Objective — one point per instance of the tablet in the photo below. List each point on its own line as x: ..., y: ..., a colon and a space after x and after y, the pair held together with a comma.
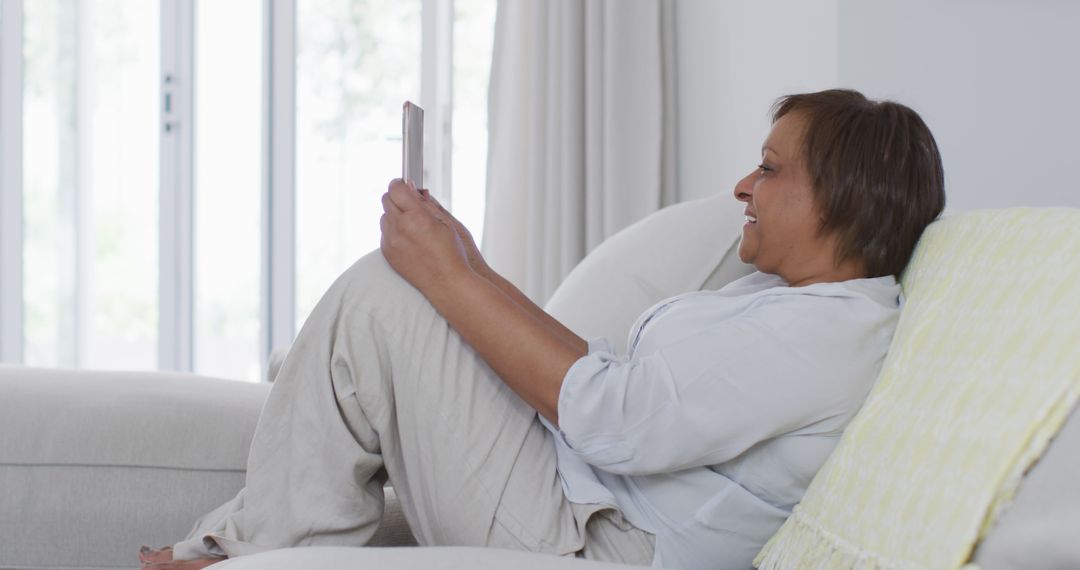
x: 412, y: 144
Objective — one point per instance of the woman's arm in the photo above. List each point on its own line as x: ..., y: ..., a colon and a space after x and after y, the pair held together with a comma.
x: 540, y: 314
x: 480, y: 266
x: 525, y: 353
x: 528, y: 349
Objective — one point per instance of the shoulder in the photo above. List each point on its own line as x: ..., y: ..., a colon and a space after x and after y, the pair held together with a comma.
x: 881, y: 293
x: 836, y: 331
x: 846, y: 302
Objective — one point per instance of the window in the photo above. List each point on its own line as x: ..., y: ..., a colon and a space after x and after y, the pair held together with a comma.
x: 90, y: 180
x: 474, y: 25
x: 228, y: 187
x: 194, y: 174
x: 355, y: 64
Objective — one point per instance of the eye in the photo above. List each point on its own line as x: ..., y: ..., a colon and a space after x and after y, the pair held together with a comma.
x: 765, y: 169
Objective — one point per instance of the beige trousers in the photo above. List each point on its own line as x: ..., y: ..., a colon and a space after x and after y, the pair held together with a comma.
x: 378, y: 384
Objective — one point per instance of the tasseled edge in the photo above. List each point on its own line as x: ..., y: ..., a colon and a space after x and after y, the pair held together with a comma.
x: 803, y: 543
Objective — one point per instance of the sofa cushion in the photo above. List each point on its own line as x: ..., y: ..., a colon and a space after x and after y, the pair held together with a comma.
x: 983, y: 370
x: 444, y: 558
x: 686, y: 247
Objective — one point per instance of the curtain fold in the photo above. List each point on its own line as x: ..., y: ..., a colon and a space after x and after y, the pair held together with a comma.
x: 581, y: 123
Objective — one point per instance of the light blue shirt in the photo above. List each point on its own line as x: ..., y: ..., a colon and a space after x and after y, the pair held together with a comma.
x: 709, y: 429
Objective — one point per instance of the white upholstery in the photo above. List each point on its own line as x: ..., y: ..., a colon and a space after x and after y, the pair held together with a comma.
x: 685, y: 247
x: 1040, y: 528
x: 443, y: 558
x: 95, y: 464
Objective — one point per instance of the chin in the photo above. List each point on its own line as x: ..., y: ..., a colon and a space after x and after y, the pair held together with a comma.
x: 744, y: 255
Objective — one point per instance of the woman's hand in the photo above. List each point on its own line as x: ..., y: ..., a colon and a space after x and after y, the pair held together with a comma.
x: 419, y: 238
x: 526, y: 347
x: 472, y: 253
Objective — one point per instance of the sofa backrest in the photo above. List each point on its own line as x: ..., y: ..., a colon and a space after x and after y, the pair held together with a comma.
x: 686, y: 247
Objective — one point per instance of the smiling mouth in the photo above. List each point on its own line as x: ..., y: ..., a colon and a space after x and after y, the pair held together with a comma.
x: 751, y: 219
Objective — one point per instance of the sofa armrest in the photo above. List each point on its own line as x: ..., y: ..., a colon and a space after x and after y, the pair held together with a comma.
x: 95, y: 464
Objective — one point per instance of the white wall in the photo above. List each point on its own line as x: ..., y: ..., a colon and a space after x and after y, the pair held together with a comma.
x: 734, y: 58
x: 997, y: 81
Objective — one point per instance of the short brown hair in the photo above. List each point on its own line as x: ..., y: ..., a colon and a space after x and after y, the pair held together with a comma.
x: 876, y: 174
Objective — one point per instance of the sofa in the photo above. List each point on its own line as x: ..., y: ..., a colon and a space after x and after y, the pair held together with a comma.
x: 94, y: 464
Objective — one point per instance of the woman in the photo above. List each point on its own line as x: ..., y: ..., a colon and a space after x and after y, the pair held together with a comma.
x: 498, y: 426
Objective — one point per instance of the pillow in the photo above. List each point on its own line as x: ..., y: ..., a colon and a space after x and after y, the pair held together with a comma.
x: 681, y: 248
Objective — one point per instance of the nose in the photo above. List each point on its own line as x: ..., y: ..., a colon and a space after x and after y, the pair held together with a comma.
x: 744, y: 189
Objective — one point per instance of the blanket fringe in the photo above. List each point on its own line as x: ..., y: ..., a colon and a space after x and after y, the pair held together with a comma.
x: 803, y: 543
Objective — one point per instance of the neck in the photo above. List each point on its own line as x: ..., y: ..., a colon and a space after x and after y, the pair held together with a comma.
x: 830, y: 272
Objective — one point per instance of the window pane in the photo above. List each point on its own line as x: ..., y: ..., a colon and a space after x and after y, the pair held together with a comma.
x: 228, y: 138
x: 121, y: 91
x: 91, y: 182
x: 474, y: 33
x: 357, y: 61
x: 49, y: 182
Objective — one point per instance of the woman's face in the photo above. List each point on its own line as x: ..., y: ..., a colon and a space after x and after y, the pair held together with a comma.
x: 781, y: 235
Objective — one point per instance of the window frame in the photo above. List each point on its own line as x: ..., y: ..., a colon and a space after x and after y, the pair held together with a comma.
x: 11, y: 184
x: 279, y: 179
x: 176, y: 235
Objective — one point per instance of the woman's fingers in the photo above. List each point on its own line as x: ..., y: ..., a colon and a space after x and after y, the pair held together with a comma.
x: 407, y: 216
x: 435, y: 204
x: 404, y: 195
x: 418, y: 241
x: 439, y: 211
x: 388, y: 204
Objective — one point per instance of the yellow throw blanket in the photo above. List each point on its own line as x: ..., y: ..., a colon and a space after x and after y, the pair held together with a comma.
x: 983, y: 370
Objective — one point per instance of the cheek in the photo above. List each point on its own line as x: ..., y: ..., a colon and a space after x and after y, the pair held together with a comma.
x: 800, y: 216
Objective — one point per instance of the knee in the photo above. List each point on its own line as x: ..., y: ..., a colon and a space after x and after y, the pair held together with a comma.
x: 371, y: 281
x: 370, y: 267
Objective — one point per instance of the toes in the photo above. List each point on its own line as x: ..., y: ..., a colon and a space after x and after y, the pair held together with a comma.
x: 149, y: 555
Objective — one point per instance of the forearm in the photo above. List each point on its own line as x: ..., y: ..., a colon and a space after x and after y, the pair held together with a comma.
x: 533, y: 309
x: 522, y: 349
x: 528, y: 349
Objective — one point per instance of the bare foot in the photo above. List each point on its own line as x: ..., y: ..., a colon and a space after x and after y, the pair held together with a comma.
x: 149, y: 555
x: 162, y: 559
x: 197, y: 564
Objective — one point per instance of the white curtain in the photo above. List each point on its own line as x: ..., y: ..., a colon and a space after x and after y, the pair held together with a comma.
x: 581, y: 121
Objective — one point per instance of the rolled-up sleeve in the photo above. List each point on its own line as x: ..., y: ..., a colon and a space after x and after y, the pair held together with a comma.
x: 702, y: 400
